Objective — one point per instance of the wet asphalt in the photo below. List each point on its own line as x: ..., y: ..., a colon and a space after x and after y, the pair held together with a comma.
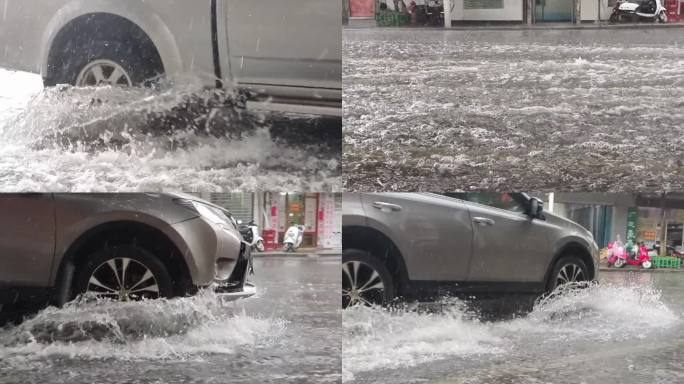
x: 570, y: 110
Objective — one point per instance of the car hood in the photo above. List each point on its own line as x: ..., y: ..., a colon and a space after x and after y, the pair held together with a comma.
x: 568, y: 224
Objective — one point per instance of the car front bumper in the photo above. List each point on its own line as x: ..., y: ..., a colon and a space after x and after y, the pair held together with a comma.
x: 236, y: 285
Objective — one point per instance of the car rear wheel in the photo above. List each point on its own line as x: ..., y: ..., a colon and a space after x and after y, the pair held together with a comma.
x: 569, y: 269
x: 365, y: 280
x: 125, y: 273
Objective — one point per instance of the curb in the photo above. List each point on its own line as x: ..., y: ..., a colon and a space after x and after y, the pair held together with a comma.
x: 525, y: 27
x: 295, y: 255
x: 641, y: 270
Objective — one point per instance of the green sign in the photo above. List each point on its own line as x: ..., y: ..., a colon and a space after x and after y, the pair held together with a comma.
x: 632, y: 219
x: 483, y: 4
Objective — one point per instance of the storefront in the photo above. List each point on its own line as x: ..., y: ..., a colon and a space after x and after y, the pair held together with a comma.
x: 464, y: 11
x: 653, y: 219
x: 319, y: 213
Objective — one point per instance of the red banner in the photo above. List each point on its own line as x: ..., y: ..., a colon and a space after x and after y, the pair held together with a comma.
x: 362, y: 8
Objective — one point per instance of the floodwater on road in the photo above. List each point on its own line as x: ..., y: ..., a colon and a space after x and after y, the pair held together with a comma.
x: 569, y: 110
x: 289, y: 332
x: 627, y: 329
x: 173, y: 138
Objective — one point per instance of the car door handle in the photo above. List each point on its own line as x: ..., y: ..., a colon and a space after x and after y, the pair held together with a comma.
x: 483, y: 221
x: 386, y: 207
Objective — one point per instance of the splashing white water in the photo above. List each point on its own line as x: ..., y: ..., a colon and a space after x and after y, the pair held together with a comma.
x: 185, y: 328
x: 376, y: 339
x: 173, y: 138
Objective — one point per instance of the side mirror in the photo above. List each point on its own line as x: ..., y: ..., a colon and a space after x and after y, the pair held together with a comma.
x: 536, y: 209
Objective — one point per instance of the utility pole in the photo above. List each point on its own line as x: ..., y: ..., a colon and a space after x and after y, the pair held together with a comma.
x: 447, y: 13
x: 578, y: 12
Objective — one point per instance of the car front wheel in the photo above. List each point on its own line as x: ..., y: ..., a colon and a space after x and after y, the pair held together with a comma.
x: 569, y: 269
x: 107, y: 63
x: 365, y: 280
x: 125, y: 273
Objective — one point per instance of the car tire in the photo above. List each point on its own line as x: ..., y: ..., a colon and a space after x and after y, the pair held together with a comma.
x: 140, y: 263
x: 571, y: 267
x: 366, y: 270
x: 141, y: 64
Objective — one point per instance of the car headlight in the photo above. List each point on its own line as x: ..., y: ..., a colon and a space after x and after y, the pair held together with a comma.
x: 208, y: 212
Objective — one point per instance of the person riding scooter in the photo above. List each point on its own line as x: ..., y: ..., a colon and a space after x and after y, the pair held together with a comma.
x: 632, y: 254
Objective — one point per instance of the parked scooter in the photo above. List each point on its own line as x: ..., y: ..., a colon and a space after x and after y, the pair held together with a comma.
x: 293, y: 237
x: 639, y: 10
x: 619, y: 256
x: 250, y: 233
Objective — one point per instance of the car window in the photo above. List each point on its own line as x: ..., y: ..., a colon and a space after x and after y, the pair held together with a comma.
x: 506, y: 201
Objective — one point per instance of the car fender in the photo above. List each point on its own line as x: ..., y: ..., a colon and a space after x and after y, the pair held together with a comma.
x: 138, y: 12
x: 68, y: 234
x: 562, y: 245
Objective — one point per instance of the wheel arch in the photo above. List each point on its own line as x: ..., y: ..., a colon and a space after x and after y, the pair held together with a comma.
x: 115, y: 232
x: 137, y: 13
x: 572, y: 247
x: 380, y: 246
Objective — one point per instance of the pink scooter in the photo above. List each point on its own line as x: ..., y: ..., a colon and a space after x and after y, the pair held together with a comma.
x: 618, y: 256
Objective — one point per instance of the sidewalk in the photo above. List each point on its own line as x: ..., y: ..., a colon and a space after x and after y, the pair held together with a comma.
x: 475, y: 26
x: 635, y: 268
x: 302, y: 252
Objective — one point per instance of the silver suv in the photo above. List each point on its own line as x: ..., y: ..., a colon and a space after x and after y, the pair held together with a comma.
x: 423, y: 245
x: 118, y: 246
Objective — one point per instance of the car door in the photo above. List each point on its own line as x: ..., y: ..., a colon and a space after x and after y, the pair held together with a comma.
x: 285, y: 43
x: 432, y: 232
x: 508, y: 246
x: 27, y: 239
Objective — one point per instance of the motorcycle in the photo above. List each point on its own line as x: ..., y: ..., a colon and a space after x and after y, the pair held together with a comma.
x: 635, y: 10
x: 619, y: 256
x: 250, y: 233
x: 293, y: 237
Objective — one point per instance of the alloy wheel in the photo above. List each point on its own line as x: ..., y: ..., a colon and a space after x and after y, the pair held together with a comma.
x: 103, y: 72
x: 570, y: 273
x: 361, y: 284
x: 123, y: 279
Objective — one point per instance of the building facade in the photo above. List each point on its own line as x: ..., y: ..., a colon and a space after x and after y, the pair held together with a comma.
x: 319, y: 213
x: 462, y: 11
x: 654, y: 219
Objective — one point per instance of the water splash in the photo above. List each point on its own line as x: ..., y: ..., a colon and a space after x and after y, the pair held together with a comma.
x: 376, y: 339
x: 180, y: 137
x: 185, y: 328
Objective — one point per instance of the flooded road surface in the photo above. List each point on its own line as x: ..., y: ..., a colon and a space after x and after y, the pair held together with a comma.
x: 289, y: 332
x: 628, y: 329
x: 568, y: 110
x: 175, y: 138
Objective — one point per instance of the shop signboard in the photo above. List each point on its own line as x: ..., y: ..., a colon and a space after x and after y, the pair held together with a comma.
x: 361, y: 8
x: 330, y: 221
x: 483, y: 4
x: 310, y: 213
x: 648, y: 235
x: 632, y: 219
